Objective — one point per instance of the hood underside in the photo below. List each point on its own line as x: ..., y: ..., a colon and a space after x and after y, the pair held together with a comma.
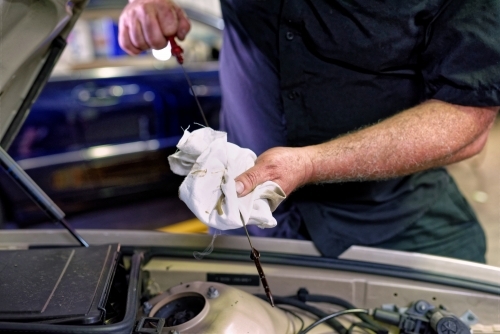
x: 32, y: 36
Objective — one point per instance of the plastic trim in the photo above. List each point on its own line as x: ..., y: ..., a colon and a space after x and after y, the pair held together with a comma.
x: 125, y: 326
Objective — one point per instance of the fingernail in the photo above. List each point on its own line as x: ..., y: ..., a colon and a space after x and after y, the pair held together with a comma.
x: 182, y: 33
x: 239, y: 187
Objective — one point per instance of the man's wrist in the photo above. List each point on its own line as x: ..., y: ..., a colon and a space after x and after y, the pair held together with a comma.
x: 308, y: 156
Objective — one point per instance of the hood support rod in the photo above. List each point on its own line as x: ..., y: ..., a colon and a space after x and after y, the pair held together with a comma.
x: 25, y: 182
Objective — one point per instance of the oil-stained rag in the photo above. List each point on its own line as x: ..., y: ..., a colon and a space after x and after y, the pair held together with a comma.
x: 211, y: 164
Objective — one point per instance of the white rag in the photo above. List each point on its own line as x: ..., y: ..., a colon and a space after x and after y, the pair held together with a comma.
x: 211, y: 164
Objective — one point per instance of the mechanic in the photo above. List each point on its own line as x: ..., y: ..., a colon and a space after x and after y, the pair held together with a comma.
x: 354, y: 108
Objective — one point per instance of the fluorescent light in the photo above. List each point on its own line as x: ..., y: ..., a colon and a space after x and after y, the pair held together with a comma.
x: 101, y: 151
x: 163, y: 54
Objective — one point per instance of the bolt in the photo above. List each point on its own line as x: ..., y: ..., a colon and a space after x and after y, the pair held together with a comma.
x: 471, y: 317
x: 421, y: 306
x: 212, y: 293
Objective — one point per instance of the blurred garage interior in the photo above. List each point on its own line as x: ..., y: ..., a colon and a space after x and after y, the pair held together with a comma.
x: 93, y: 51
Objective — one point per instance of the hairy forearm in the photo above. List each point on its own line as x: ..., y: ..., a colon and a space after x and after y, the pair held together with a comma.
x: 429, y: 135
x: 432, y: 134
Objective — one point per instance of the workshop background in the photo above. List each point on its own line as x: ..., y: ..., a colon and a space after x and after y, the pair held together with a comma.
x: 97, y: 139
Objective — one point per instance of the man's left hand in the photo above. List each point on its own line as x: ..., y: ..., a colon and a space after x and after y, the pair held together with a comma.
x: 289, y: 167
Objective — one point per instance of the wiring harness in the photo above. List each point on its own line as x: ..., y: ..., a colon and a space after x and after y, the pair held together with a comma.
x: 420, y: 318
x: 302, y: 297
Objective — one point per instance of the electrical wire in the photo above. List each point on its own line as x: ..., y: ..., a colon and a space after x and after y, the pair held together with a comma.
x: 337, y: 326
x: 304, y: 296
x: 333, y: 315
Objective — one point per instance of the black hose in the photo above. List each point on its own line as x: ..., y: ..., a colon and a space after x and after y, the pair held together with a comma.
x: 361, y: 325
x: 337, y: 326
x: 306, y: 297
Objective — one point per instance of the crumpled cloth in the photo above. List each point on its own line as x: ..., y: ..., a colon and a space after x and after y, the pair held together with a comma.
x: 211, y: 164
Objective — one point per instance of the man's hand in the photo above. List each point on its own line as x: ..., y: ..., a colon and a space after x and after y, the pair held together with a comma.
x: 289, y: 167
x: 146, y: 24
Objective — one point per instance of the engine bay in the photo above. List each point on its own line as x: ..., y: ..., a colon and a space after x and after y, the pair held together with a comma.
x: 327, y: 290
x: 167, y: 290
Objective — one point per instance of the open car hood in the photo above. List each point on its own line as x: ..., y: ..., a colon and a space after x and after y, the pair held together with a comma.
x: 32, y: 37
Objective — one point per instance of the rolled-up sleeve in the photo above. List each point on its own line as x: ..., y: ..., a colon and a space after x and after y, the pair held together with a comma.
x: 461, y: 59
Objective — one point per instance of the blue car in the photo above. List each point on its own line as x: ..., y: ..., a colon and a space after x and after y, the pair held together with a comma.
x: 100, y: 136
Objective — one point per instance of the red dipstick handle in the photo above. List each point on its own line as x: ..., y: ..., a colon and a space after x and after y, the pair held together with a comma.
x: 176, y: 50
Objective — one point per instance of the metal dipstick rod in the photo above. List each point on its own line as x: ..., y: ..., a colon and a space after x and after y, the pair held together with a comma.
x: 177, y: 52
x: 255, y: 256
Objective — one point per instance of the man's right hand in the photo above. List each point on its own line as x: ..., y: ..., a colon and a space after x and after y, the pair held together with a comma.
x: 146, y: 24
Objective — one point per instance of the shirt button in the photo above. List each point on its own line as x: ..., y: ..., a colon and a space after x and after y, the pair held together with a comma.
x: 292, y: 95
x: 289, y: 35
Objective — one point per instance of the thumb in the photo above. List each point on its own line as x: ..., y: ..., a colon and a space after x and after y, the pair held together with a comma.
x: 246, y: 182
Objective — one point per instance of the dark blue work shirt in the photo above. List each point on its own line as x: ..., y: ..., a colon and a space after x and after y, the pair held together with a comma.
x: 298, y: 73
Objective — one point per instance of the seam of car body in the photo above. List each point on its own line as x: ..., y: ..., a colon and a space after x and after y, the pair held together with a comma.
x: 97, y: 152
x: 336, y: 264
x: 127, y: 71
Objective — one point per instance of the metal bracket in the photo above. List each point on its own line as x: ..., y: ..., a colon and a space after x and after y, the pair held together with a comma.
x: 469, y: 318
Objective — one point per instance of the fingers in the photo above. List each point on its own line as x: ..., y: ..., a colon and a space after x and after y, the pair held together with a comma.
x: 173, y: 21
x: 184, y: 24
x: 147, y: 24
x: 246, y: 182
x: 126, y: 43
x: 153, y: 35
x: 137, y: 37
x: 288, y: 167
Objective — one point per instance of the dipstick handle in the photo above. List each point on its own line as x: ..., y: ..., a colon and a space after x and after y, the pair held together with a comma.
x: 176, y: 50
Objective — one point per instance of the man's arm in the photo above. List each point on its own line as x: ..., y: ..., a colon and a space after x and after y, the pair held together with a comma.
x: 432, y: 134
x: 146, y: 24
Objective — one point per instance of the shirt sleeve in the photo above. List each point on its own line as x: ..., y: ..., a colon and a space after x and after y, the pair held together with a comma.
x: 461, y: 59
